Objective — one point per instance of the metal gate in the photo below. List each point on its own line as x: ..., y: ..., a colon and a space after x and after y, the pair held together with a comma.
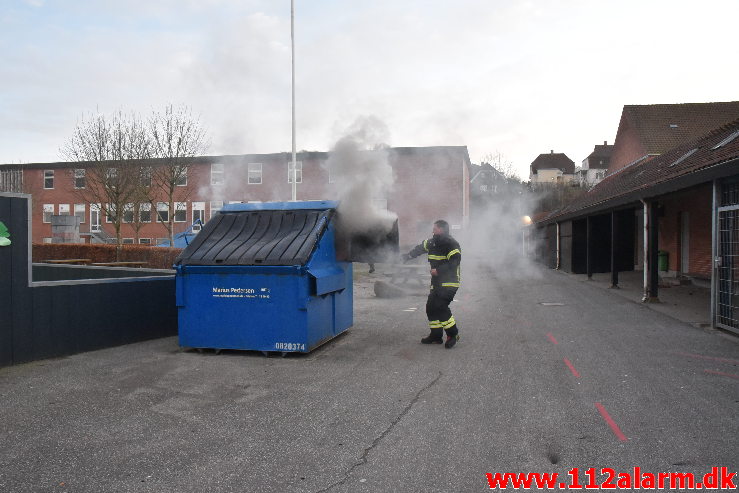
x: 727, y: 269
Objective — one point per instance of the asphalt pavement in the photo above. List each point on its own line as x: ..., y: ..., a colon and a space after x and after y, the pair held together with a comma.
x: 552, y: 372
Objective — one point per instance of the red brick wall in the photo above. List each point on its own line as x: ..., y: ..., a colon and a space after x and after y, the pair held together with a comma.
x: 697, y: 202
x: 428, y: 189
x: 627, y: 147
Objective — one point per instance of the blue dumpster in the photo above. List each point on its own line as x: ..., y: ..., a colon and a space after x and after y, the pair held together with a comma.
x: 264, y: 277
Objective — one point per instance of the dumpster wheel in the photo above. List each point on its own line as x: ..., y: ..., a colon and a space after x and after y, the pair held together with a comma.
x: 269, y: 354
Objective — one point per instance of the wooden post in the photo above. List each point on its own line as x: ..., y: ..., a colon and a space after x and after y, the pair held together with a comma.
x: 614, y: 250
x: 589, y: 248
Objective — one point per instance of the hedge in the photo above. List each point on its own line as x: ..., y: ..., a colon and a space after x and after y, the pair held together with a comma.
x: 155, y: 257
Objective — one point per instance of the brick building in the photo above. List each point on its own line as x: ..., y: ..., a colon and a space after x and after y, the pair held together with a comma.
x: 429, y: 183
x: 645, y: 131
x: 681, y: 203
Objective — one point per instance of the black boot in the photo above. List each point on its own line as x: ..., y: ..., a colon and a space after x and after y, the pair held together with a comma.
x: 452, y: 336
x: 435, y: 337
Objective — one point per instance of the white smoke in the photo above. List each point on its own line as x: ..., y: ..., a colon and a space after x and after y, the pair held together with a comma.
x: 362, y: 177
x: 498, y: 240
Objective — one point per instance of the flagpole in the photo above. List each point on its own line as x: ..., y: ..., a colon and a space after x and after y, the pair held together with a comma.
x: 294, y: 171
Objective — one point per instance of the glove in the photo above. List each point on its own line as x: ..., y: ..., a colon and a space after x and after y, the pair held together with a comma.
x: 405, y: 258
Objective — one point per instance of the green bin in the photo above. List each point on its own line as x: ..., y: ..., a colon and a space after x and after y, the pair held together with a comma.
x: 662, y: 257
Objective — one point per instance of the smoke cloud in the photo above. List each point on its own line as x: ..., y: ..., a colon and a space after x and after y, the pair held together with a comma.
x: 362, y: 177
x: 494, y: 242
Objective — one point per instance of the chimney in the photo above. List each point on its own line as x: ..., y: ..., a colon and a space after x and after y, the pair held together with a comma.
x: 605, y: 142
x: 551, y: 152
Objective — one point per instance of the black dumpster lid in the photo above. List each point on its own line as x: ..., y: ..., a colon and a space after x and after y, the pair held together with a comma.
x: 257, y: 237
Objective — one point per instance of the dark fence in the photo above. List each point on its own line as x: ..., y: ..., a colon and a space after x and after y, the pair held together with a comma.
x: 57, y: 318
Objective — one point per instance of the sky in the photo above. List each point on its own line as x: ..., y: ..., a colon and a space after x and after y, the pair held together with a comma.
x: 519, y: 78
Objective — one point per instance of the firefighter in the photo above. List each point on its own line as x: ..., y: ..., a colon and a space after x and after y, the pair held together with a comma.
x: 445, y: 256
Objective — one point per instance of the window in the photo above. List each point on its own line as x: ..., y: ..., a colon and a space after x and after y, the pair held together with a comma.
x: 255, y: 174
x: 216, y: 174
x: 48, y: 212
x: 162, y: 212
x: 128, y: 213
x: 79, y: 178
x: 181, y: 176
x: 180, y: 212
x: 684, y: 157
x: 49, y: 179
x: 144, y: 241
x: 145, y: 212
x: 110, y: 213
x: 127, y: 241
x: 727, y: 140
x: 95, y: 217
x: 331, y: 177
x: 111, y: 174
x: 198, y: 214
x: 162, y: 241
x: 215, y: 206
x: 483, y: 188
x: 63, y: 209
x: 298, y: 172
x: 380, y: 204
x: 145, y: 176
x: 47, y: 240
x: 79, y: 211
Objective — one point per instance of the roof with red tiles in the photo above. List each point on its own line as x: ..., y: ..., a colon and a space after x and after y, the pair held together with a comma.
x: 680, y: 167
x: 663, y: 126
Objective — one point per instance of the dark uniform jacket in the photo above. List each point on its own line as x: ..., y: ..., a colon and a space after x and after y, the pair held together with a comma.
x: 445, y: 256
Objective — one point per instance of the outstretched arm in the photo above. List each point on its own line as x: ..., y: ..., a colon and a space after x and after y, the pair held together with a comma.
x: 417, y: 250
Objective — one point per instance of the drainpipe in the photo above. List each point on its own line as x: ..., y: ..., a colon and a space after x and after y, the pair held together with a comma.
x: 614, y: 250
x: 645, y: 248
x: 714, y: 250
x: 654, y: 251
x: 588, y: 248
x: 558, y: 249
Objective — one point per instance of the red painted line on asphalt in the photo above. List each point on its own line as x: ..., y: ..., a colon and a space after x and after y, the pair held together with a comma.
x: 551, y: 338
x: 572, y: 368
x: 614, y: 427
x: 713, y: 358
x: 715, y: 372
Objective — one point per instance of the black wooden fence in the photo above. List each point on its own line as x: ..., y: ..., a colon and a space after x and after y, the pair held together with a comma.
x: 57, y: 318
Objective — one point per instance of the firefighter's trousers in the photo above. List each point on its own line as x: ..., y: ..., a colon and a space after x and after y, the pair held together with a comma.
x: 438, y: 311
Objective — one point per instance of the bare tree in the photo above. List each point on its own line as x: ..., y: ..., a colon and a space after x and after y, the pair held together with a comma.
x: 176, y: 137
x: 555, y: 196
x: 498, y: 161
x: 140, y: 211
x: 109, y: 150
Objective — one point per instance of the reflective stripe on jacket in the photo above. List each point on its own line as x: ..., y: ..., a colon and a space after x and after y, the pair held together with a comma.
x: 445, y: 256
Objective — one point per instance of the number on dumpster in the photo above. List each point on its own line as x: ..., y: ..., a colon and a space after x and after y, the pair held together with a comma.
x: 289, y: 346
